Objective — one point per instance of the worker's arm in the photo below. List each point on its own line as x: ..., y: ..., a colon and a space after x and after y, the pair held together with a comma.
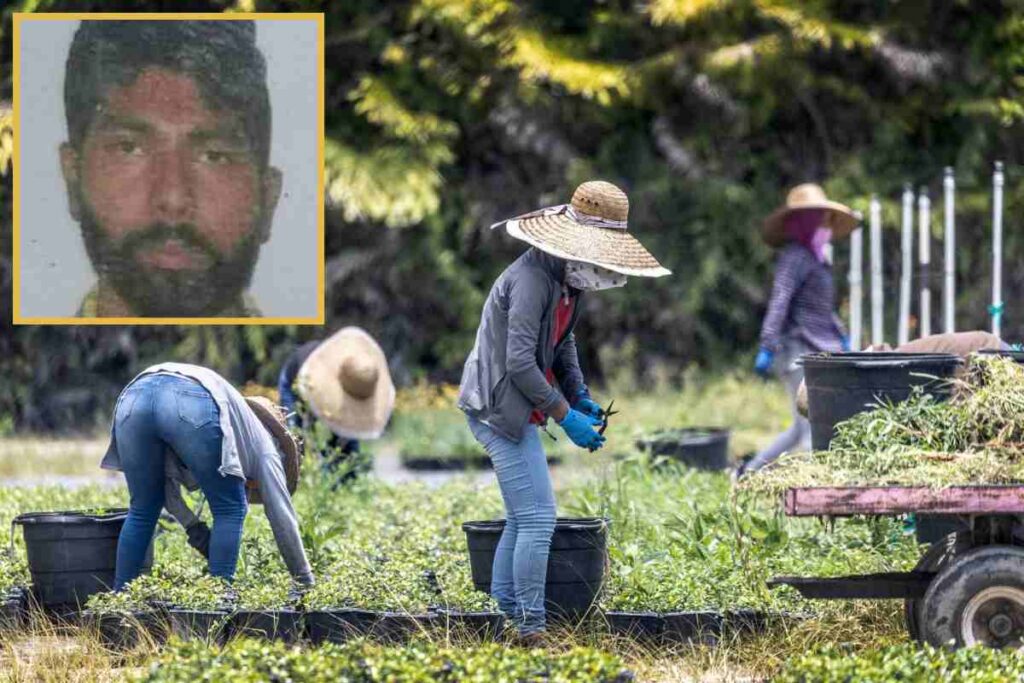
x: 790, y: 273
x: 567, y: 370
x: 284, y: 523
x: 528, y: 297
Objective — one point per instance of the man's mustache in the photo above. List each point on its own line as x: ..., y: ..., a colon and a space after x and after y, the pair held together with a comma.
x: 158, y: 233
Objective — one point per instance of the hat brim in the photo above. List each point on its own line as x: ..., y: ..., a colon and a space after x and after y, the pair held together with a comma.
x: 272, y: 417
x: 561, y: 236
x: 842, y: 221
x: 319, y: 385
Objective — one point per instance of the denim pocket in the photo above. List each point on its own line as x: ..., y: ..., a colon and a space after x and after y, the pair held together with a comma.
x: 195, y: 407
x: 126, y: 403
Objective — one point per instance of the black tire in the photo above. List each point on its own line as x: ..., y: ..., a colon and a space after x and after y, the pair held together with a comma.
x: 978, y: 599
x: 938, y: 555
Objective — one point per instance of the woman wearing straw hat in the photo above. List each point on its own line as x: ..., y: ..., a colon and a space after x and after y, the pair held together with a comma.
x: 346, y: 380
x: 801, y: 312
x: 524, y: 368
x: 177, y: 424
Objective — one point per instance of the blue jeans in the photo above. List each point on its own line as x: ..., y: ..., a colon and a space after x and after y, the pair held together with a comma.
x: 521, y: 559
x: 155, y: 413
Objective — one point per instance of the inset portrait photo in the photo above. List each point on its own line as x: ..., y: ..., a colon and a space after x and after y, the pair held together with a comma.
x: 168, y: 170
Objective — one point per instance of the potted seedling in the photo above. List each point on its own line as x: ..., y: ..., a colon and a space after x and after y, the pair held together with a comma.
x: 262, y: 610
x: 461, y: 609
x: 12, y: 593
x: 198, y: 609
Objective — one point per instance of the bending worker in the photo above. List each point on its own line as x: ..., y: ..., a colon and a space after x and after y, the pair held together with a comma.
x: 801, y: 313
x: 346, y: 394
x: 177, y: 424
x: 524, y: 368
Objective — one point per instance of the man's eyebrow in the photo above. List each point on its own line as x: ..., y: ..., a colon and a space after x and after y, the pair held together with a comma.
x: 109, y: 122
x: 224, y: 132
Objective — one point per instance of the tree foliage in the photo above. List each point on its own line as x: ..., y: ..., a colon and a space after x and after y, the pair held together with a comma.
x: 443, y: 116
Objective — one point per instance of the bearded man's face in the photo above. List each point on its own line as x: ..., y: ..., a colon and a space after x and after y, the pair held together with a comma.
x: 171, y: 199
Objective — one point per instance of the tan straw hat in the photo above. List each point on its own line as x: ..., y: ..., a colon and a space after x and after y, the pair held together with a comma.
x: 272, y: 418
x: 347, y: 384
x: 840, y: 218
x: 591, y: 229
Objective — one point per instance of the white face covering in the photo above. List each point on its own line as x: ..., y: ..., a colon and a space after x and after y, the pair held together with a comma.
x: 588, y: 277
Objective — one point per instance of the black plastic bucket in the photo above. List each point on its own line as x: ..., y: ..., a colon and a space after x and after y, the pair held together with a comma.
x: 704, y: 448
x: 576, y: 563
x: 841, y: 385
x: 73, y: 554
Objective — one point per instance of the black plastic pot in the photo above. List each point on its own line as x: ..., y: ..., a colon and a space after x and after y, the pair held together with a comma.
x: 339, y: 625
x: 692, y: 627
x: 72, y: 555
x: 207, y: 626
x: 704, y: 448
x: 427, y: 463
x: 645, y: 626
x: 12, y: 610
x: 476, y: 625
x: 126, y: 630
x: 576, y: 563
x: 284, y: 625
x: 841, y: 385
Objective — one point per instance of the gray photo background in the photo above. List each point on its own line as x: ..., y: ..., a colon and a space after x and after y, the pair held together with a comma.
x: 55, y: 272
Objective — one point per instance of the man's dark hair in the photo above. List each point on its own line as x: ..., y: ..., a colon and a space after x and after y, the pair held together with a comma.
x: 220, y: 55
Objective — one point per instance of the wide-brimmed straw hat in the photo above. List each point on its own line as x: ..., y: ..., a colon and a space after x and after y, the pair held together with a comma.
x: 272, y: 417
x: 592, y: 229
x: 347, y: 385
x: 840, y: 218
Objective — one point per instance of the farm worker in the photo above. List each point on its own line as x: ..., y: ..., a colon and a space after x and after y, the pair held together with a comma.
x: 524, y: 368
x: 178, y: 424
x: 801, y: 312
x: 346, y: 360
x: 958, y: 343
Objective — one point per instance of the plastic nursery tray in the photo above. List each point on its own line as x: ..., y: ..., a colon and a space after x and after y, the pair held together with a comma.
x: 339, y: 625
x: 125, y: 630
x: 704, y: 627
x: 482, y: 625
x: 285, y: 625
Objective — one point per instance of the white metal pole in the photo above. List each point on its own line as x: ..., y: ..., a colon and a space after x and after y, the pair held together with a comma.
x: 907, y: 270
x: 924, y: 209
x: 856, y: 288
x: 877, y: 319
x: 997, y: 249
x: 949, y: 260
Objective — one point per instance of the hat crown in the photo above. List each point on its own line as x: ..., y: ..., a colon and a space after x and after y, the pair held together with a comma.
x: 359, y: 376
x: 808, y: 193
x: 600, y: 198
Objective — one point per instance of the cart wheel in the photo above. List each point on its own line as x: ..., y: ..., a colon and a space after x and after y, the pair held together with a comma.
x: 938, y: 555
x: 978, y: 600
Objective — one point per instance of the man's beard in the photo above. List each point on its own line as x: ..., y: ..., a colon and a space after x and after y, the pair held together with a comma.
x: 157, y: 292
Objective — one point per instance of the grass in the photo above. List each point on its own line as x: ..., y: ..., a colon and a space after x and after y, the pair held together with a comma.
x: 974, y: 438
x: 36, y: 457
x: 679, y: 539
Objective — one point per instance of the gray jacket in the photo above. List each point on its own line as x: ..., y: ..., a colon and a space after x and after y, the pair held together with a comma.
x: 503, y: 379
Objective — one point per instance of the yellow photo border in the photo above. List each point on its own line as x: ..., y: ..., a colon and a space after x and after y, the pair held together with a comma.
x: 19, y: 17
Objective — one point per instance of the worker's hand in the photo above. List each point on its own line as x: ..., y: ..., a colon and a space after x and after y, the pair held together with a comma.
x: 199, y: 538
x: 587, y: 405
x: 580, y: 429
x: 764, y: 361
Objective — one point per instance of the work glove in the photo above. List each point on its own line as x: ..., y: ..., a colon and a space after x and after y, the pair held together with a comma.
x: 199, y: 538
x: 580, y: 429
x: 763, y: 363
x: 587, y: 405
x: 844, y: 342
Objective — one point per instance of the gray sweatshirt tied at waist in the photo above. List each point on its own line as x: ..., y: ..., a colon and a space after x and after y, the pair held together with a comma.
x: 503, y: 379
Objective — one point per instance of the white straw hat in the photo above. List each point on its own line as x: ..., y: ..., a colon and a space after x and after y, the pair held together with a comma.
x: 841, y: 219
x: 346, y: 383
x: 592, y: 229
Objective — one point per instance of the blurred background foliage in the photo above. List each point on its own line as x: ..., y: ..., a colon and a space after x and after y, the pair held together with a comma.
x: 443, y: 116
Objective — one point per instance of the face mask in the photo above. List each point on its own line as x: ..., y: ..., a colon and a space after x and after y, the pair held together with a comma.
x: 588, y: 277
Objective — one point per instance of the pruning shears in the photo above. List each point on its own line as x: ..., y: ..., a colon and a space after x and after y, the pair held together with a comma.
x: 605, y: 414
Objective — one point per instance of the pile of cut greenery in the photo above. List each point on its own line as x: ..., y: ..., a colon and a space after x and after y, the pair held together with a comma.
x: 976, y: 437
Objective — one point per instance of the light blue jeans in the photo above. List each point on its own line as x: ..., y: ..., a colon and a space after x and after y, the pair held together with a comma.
x: 154, y: 413
x: 521, y: 559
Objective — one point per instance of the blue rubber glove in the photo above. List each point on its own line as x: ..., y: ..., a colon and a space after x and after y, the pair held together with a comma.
x: 580, y: 429
x: 763, y: 364
x: 587, y: 405
x: 844, y: 343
